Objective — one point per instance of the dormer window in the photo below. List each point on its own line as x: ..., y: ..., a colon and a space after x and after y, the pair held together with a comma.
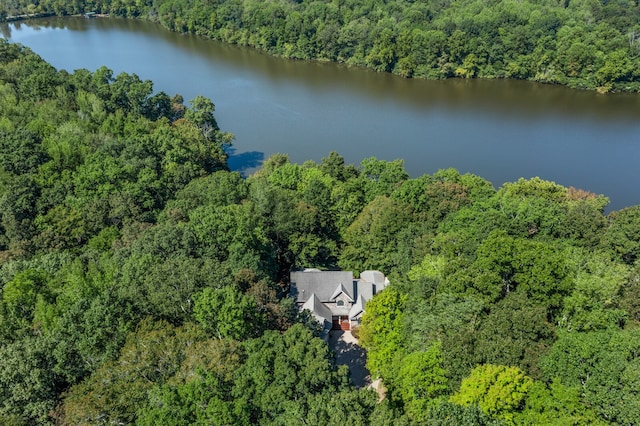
x: 340, y: 303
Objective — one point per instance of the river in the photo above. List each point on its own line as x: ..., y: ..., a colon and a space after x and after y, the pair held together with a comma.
x: 500, y: 130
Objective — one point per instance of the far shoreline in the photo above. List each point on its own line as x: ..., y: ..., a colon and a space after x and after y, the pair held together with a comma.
x: 600, y: 90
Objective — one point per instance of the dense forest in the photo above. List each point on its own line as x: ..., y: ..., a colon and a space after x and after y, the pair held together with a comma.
x: 142, y: 282
x: 581, y: 43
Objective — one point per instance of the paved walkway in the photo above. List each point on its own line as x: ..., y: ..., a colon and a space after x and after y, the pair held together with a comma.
x: 349, y: 353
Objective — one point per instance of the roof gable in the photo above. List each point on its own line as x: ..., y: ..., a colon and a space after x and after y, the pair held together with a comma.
x: 339, y: 290
x: 317, y: 308
x: 357, y: 308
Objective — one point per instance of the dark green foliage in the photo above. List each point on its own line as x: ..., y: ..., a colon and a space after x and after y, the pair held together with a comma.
x: 28, y: 387
x: 580, y: 44
x: 116, y: 390
x: 604, y: 366
x: 227, y: 313
x: 282, y: 368
x: 141, y: 282
x: 623, y: 234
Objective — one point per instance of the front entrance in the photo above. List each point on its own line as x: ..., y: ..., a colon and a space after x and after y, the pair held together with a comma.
x: 341, y: 323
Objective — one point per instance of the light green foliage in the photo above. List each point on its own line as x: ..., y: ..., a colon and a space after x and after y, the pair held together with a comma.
x: 445, y: 413
x: 24, y: 299
x: 420, y: 380
x: 556, y: 404
x: 593, y: 304
x: 431, y: 267
x: 382, y: 177
x: 498, y: 390
x: 381, y: 331
x: 532, y: 207
x: 535, y: 187
x: 287, y: 176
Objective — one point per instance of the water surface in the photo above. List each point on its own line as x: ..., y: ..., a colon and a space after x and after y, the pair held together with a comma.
x: 500, y: 130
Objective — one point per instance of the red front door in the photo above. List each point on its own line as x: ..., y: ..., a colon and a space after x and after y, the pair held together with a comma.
x: 344, y: 323
x: 341, y: 323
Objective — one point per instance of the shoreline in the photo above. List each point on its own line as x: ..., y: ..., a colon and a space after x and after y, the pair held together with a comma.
x: 600, y: 90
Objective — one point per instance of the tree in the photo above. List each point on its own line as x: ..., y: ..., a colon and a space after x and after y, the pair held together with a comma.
x: 516, y: 332
x: 334, y: 166
x: 200, y: 114
x: 505, y: 264
x: 630, y: 296
x: 617, y: 67
x: 381, y: 331
x: 199, y: 392
x: 445, y: 413
x: 499, y: 391
x: 283, y: 368
x: 372, y: 238
x: 593, y: 303
x: 118, y: 389
x: 331, y: 408
x: 227, y: 313
x: 557, y: 404
x: 22, y: 152
x: 603, y: 365
x: 382, y: 177
x: 420, y: 381
x: 623, y: 234
x: 28, y: 386
x: 20, y: 297
x: 165, y: 288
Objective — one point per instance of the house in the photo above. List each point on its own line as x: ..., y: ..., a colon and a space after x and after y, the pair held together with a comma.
x: 335, y: 298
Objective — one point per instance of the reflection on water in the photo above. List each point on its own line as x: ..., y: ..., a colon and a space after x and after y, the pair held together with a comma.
x: 501, y: 96
x: 498, y: 129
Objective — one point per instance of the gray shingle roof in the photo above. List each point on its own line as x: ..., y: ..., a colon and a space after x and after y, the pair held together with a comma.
x: 322, y: 283
x: 375, y: 277
x: 341, y: 289
x: 319, y: 311
x: 318, y: 291
x: 357, y: 308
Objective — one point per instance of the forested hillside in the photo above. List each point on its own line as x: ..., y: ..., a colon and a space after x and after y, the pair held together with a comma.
x: 142, y: 282
x: 580, y: 43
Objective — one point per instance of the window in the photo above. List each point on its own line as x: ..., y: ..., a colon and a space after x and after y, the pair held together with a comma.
x: 340, y: 303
